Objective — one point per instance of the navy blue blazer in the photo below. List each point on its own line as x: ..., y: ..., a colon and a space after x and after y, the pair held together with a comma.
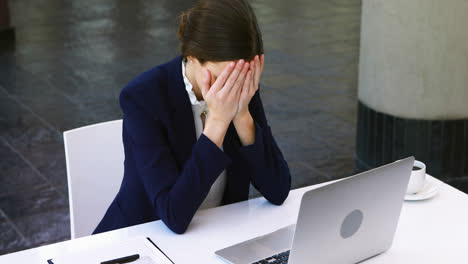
x: 168, y: 172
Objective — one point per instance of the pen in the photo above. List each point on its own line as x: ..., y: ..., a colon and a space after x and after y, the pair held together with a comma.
x: 122, y: 260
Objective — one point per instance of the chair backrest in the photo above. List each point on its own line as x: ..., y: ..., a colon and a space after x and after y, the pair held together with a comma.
x: 94, y: 157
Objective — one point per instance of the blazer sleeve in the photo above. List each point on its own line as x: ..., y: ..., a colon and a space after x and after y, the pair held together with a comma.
x: 175, y: 194
x: 266, y: 167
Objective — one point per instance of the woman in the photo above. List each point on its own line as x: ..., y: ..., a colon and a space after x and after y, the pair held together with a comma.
x: 194, y: 131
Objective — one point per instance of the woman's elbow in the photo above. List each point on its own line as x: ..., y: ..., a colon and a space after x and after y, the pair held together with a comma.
x: 178, y: 230
x: 176, y: 222
x: 279, y: 198
x: 174, y: 226
x: 282, y: 192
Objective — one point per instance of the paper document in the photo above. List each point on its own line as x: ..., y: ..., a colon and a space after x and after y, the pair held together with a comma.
x: 149, y: 254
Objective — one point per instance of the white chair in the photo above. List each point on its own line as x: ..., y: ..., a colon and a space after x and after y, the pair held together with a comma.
x: 94, y: 157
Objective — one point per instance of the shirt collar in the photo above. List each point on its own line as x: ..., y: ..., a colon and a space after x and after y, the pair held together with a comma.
x: 189, y: 88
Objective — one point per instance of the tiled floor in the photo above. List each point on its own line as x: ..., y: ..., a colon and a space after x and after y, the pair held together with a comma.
x: 72, y: 58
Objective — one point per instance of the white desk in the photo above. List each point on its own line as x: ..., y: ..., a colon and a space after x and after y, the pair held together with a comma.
x: 432, y: 231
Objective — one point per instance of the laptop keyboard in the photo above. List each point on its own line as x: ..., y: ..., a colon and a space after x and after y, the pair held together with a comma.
x: 281, y: 258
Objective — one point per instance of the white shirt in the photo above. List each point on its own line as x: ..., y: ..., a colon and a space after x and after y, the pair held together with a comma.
x: 215, y: 195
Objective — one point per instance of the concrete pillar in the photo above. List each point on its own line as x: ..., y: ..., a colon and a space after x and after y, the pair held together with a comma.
x: 413, y: 85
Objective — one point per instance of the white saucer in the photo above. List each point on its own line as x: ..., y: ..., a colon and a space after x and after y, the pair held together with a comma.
x: 429, y: 190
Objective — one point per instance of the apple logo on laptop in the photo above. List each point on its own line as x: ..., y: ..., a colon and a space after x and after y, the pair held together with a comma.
x: 351, y: 223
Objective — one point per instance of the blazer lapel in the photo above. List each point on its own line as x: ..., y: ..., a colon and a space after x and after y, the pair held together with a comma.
x: 182, y: 116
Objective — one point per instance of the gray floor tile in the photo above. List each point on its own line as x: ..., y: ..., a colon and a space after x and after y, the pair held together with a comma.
x: 32, y: 140
x: 10, y: 239
x: 22, y: 190
x: 44, y: 228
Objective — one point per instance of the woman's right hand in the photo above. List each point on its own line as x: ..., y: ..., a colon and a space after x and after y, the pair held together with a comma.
x: 222, y: 99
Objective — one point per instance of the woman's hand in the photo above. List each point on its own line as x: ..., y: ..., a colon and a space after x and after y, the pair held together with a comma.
x: 222, y: 99
x: 251, y: 85
x: 243, y: 121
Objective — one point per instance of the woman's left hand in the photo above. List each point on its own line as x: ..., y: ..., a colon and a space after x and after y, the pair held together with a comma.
x: 250, y: 85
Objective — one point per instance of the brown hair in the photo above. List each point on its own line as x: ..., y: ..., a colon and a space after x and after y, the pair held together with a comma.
x: 220, y: 30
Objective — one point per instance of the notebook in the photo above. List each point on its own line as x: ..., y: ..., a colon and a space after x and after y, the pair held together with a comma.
x: 148, y: 251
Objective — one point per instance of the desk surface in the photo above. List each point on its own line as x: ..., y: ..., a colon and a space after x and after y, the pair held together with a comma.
x: 431, y: 231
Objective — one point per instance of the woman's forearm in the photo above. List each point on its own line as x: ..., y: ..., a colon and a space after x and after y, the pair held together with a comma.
x: 245, y: 128
x: 215, y: 130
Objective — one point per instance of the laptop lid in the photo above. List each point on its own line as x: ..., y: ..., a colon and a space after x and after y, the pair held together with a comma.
x: 353, y: 219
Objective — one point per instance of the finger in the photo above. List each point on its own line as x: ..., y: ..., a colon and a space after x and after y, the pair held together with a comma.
x: 237, y: 88
x: 252, y: 82
x: 262, y: 64
x: 257, y: 71
x: 246, y: 87
x: 205, y: 86
x: 254, y: 72
x: 241, y: 79
x: 252, y: 64
x: 247, y: 83
x: 221, y: 80
x: 252, y: 67
x: 233, y: 77
x: 262, y: 61
x: 254, y: 88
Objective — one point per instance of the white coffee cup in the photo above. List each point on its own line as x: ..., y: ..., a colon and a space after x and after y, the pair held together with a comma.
x: 417, y: 178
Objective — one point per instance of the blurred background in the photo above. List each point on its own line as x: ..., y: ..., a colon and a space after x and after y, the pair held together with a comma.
x: 64, y: 63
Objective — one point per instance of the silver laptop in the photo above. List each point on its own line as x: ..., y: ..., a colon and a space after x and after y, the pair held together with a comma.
x: 344, y: 222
